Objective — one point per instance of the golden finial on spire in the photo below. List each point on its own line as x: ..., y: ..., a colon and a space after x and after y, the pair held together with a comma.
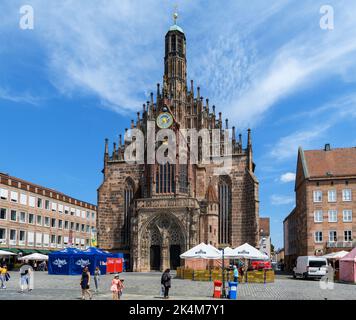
x: 175, y: 15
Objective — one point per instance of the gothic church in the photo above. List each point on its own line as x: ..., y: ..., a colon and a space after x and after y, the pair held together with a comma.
x: 155, y: 212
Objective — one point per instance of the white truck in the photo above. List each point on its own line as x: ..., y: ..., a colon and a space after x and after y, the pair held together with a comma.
x: 310, y: 267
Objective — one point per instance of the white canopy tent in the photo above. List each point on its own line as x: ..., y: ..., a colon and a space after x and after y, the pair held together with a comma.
x: 246, y: 251
x: 228, y: 253
x: 34, y: 256
x: 202, y: 251
x: 336, y: 255
x: 7, y: 253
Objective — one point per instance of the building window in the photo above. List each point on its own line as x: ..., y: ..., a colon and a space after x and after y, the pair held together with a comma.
x: 38, y: 239
x: 318, y: 216
x: 53, y: 239
x: 60, y: 224
x: 30, y: 239
x: 347, y: 215
x: 82, y: 228
x: 3, y: 212
x: 348, y: 235
x: 46, y: 222
x: 332, y: 236
x: 47, y: 204
x: 128, y: 196
x: 46, y: 240
x: 59, y: 241
x: 53, y: 223
x: 13, y: 215
x: 87, y: 230
x: 77, y: 227
x: 60, y: 208
x: 31, y: 218
x: 2, y: 235
x: 224, y: 210
x: 39, y: 203
x: 14, y: 196
x: 66, y: 225
x: 88, y: 215
x: 318, y: 236
x: 93, y: 215
x: 332, y: 216
x: 23, y: 199
x: 39, y: 220
x: 332, y: 196
x: 13, y: 237
x: 165, y: 178
x: 31, y: 201
x: 22, y: 238
x: 23, y: 217
x: 72, y: 211
x: 346, y: 195
x: 4, y: 194
x: 54, y: 206
x: 72, y: 226
x: 66, y: 210
x: 317, y: 196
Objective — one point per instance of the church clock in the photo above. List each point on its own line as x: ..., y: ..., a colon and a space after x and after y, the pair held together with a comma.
x: 164, y: 120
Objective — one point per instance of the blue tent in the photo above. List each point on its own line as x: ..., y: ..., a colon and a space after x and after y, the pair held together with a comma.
x: 100, y: 257
x: 71, y: 261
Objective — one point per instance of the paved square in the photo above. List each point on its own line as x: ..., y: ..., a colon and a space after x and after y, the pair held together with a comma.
x: 146, y: 286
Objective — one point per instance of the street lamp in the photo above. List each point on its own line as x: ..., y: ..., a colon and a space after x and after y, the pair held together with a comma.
x: 223, y: 295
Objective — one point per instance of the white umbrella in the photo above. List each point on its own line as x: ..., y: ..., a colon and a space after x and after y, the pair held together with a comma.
x: 201, y: 251
x: 34, y: 256
x: 7, y: 253
x: 336, y: 255
x: 228, y: 253
x: 246, y: 251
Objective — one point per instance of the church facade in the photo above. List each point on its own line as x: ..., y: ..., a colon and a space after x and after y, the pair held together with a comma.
x: 156, y: 211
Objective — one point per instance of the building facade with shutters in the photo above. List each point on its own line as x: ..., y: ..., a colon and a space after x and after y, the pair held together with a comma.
x: 153, y: 211
x: 323, y: 220
x: 37, y: 219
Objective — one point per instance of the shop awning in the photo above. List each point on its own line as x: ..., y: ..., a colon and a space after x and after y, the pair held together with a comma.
x: 13, y: 250
x: 28, y: 251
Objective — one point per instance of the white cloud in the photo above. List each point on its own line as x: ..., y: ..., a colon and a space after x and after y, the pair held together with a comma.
x: 287, y: 146
x: 287, y: 177
x: 25, y: 97
x: 278, y: 200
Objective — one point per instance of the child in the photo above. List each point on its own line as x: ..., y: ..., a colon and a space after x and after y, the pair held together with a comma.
x: 116, y: 287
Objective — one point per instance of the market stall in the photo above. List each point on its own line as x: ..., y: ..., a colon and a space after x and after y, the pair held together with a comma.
x: 348, y: 267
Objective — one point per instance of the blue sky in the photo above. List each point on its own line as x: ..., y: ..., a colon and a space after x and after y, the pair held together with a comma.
x: 87, y: 67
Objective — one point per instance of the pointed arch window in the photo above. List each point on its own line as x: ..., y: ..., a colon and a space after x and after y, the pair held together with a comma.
x: 128, y: 197
x: 165, y: 179
x: 225, y: 210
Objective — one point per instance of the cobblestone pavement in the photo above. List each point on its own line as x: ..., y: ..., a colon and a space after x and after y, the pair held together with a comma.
x: 146, y: 286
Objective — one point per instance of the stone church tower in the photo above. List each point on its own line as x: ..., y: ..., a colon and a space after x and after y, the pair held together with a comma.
x: 154, y: 212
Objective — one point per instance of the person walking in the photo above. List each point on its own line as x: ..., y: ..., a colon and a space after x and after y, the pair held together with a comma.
x: 97, y: 274
x: 85, y: 283
x: 26, y: 277
x: 166, y: 282
x: 236, y: 274
x: 116, y: 287
x: 3, y: 273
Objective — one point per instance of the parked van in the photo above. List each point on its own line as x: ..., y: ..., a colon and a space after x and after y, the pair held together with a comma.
x: 310, y: 267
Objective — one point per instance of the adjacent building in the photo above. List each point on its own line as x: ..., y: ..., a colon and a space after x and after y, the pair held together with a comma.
x: 154, y: 212
x: 265, y: 236
x: 324, y: 219
x: 38, y: 219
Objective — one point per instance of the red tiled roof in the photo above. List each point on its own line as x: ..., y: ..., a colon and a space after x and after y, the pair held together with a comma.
x: 264, y: 225
x: 335, y: 162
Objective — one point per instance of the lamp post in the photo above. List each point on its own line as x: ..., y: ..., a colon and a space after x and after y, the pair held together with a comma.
x: 223, y: 274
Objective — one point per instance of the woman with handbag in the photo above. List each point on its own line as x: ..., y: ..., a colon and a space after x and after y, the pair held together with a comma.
x: 85, y: 283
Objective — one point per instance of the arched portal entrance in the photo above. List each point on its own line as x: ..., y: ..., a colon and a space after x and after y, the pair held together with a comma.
x: 163, y: 240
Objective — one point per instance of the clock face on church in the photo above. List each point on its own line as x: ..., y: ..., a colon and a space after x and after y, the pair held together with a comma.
x: 164, y: 120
